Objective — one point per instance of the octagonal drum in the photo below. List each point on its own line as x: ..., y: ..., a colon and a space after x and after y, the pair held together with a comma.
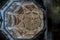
x: 24, y: 20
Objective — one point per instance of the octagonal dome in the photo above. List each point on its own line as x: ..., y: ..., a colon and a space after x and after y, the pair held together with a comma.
x: 24, y: 20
